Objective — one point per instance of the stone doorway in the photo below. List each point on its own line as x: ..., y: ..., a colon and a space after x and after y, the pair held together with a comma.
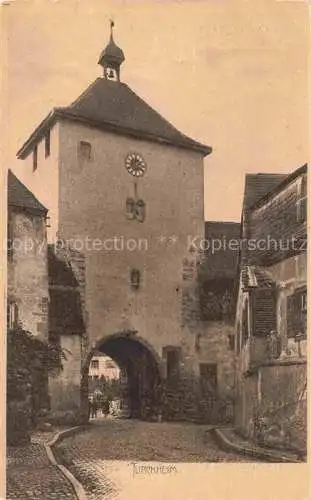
x: 140, y: 372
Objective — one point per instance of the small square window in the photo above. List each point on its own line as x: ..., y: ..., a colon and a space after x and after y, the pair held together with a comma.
x: 85, y: 150
x: 47, y: 144
x: 35, y: 159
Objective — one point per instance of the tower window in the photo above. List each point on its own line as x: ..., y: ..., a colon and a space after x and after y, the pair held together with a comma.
x: 85, y: 150
x: 47, y: 144
x: 35, y: 159
x: 111, y: 74
x: 135, y: 279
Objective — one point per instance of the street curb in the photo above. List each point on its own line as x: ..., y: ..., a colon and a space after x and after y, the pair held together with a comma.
x: 267, y: 455
x: 77, y: 486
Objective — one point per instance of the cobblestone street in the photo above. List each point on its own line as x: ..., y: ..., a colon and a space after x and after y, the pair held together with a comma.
x: 31, y: 476
x: 105, y: 457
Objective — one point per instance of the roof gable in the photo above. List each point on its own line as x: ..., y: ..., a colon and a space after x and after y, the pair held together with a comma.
x: 20, y: 196
x: 114, y: 106
x: 259, y: 185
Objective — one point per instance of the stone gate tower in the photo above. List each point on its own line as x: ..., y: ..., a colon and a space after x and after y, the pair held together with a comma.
x: 125, y: 189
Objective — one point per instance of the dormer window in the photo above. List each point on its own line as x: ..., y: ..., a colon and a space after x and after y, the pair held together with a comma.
x: 35, y: 159
x: 47, y: 144
x: 85, y: 150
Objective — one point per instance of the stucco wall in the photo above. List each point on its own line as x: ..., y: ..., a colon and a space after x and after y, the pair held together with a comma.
x: 274, y: 392
x: 214, y: 347
x: 43, y: 182
x: 65, y: 389
x: 27, y: 272
x: 92, y: 204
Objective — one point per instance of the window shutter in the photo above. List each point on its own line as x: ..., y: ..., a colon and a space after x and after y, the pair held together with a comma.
x: 296, y: 314
x: 264, y: 312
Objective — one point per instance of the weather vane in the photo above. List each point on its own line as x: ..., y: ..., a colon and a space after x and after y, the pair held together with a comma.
x: 111, y: 25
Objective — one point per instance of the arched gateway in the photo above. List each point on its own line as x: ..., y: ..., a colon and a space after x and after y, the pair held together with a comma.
x: 126, y: 210
x: 142, y: 366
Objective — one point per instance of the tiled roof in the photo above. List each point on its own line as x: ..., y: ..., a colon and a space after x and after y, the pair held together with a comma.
x: 256, y: 277
x: 115, y: 107
x: 59, y: 271
x: 221, y: 261
x: 259, y: 185
x: 282, y: 185
x: 20, y: 196
x: 65, y: 312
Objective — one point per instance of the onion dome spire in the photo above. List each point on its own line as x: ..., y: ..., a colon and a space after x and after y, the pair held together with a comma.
x: 111, y: 58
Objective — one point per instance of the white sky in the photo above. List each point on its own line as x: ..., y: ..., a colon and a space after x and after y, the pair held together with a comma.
x: 230, y: 73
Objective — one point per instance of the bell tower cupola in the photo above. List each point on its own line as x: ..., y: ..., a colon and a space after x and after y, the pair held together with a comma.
x: 111, y: 58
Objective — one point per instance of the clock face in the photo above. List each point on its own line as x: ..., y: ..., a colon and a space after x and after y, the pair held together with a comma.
x: 135, y: 164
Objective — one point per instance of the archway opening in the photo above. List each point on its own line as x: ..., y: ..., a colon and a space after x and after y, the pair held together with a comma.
x: 139, y: 375
x: 104, y: 386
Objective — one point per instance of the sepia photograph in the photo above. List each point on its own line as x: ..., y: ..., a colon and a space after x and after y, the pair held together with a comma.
x: 155, y: 168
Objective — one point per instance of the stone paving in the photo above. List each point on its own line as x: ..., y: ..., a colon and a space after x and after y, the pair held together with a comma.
x: 30, y: 475
x: 116, y: 459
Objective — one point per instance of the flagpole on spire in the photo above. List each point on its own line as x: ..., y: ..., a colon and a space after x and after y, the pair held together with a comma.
x: 111, y: 28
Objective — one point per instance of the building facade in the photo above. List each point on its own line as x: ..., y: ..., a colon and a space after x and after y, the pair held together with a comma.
x: 271, y: 318
x: 217, y: 277
x: 45, y: 290
x: 103, y: 366
x: 27, y: 284
x: 126, y: 191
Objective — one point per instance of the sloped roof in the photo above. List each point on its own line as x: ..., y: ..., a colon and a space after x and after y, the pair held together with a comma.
x: 256, y: 277
x: 282, y: 185
x: 59, y: 271
x: 20, y: 196
x: 222, y: 259
x: 259, y: 185
x: 114, y: 106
